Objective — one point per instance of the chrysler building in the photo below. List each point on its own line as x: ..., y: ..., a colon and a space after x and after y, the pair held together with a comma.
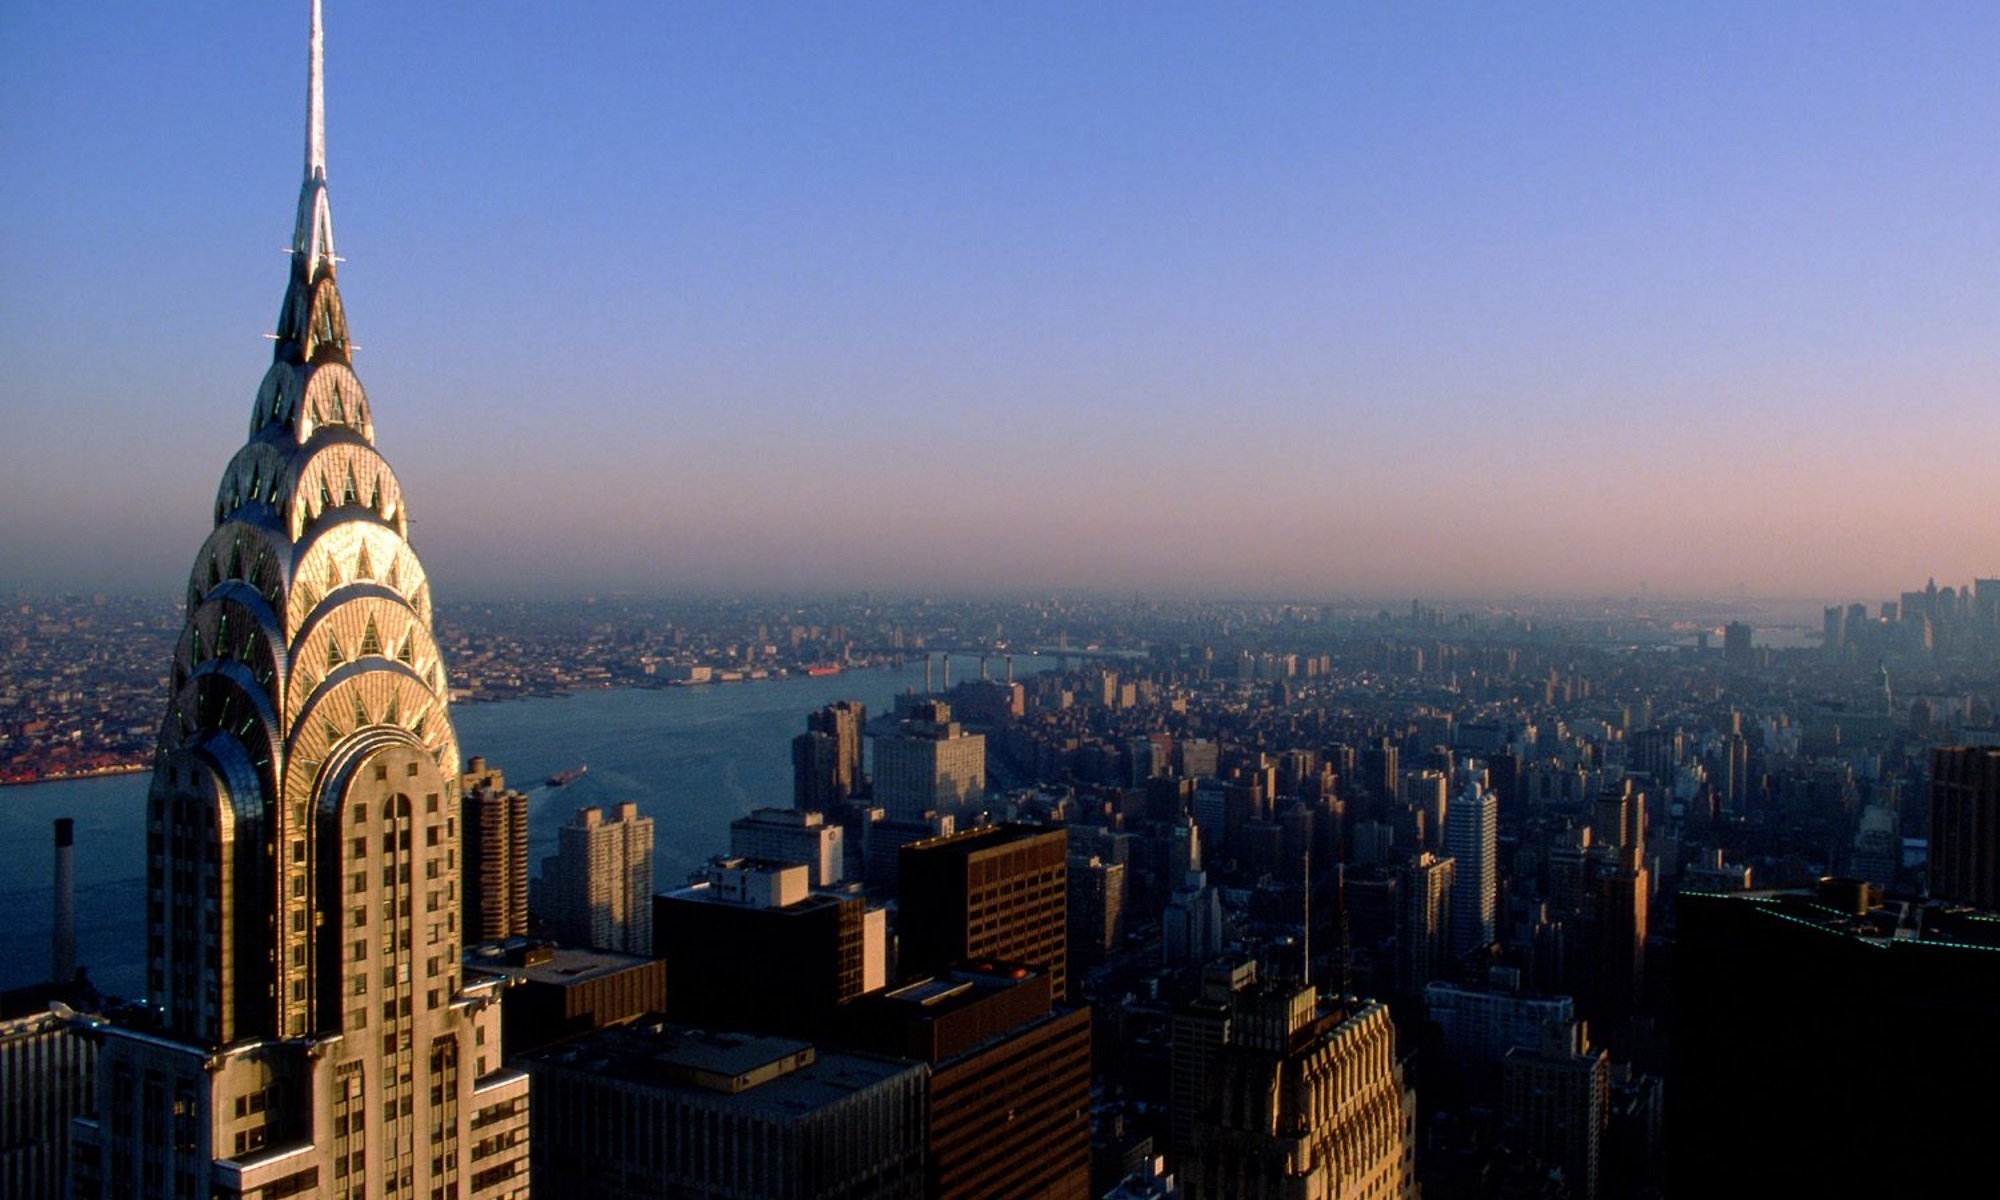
x: 311, y: 1034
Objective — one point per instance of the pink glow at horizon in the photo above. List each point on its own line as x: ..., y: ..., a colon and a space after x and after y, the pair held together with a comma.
x: 1315, y: 301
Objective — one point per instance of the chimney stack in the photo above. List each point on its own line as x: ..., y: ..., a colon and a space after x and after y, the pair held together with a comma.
x: 62, y: 948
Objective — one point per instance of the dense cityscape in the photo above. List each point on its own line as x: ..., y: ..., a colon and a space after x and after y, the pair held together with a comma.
x: 1215, y: 771
x: 1132, y: 897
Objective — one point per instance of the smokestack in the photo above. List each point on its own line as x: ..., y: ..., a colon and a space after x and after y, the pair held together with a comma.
x: 62, y: 942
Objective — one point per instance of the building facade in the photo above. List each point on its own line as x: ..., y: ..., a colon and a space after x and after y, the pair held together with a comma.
x: 1471, y: 837
x: 495, y: 823
x: 930, y: 764
x: 48, y: 1062
x: 997, y: 892
x: 1305, y: 1099
x: 314, y: 1036
x: 652, y: 1111
x: 826, y: 758
x: 1965, y: 825
x: 795, y: 836
x: 600, y: 881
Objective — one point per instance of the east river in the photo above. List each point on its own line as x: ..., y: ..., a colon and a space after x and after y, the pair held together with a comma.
x: 693, y: 758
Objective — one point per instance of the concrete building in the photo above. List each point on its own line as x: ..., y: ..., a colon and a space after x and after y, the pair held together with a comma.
x: 1423, y: 923
x: 557, y: 992
x: 314, y: 1034
x: 656, y: 1110
x: 600, y: 881
x: 1471, y: 836
x: 929, y: 764
x: 1096, y: 909
x: 1009, y: 1092
x: 996, y: 892
x: 1821, y: 1022
x: 753, y: 947
x: 792, y: 835
x: 494, y: 819
x: 827, y: 768
x: 48, y: 1072
x: 1306, y: 1098
x: 1478, y: 1025
x: 1965, y: 825
x: 1556, y: 1104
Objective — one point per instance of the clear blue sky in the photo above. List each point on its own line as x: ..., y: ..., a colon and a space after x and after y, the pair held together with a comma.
x: 1322, y: 299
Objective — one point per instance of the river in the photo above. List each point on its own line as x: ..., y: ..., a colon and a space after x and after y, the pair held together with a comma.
x: 693, y: 758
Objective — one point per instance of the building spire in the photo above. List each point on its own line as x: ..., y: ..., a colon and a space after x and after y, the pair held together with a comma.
x: 312, y: 236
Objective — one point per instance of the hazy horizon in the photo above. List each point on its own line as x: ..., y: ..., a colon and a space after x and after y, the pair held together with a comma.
x: 1305, y: 301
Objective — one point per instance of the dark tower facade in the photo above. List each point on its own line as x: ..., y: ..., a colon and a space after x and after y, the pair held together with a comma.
x: 997, y: 892
x: 1965, y: 825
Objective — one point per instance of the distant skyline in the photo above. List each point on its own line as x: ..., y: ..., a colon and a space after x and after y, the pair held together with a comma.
x: 1311, y: 300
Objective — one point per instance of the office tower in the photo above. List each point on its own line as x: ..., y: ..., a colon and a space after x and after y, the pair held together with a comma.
x: 753, y: 947
x: 1801, y: 1018
x: 313, y: 1034
x: 930, y: 764
x: 1200, y: 1031
x: 1009, y: 1092
x: 48, y: 1061
x: 1965, y: 825
x: 1555, y: 1103
x: 495, y: 821
x: 1615, y: 921
x: 1471, y: 835
x: 1305, y: 1099
x: 654, y: 1110
x: 815, y: 765
x: 1736, y: 648
x: 1195, y: 758
x: 1423, y: 925
x: 600, y: 881
x: 795, y: 836
x: 997, y: 892
x: 1420, y: 816
x: 1096, y: 909
x: 557, y: 992
x: 1380, y: 774
x: 1735, y: 773
x: 826, y: 758
x: 1478, y: 1025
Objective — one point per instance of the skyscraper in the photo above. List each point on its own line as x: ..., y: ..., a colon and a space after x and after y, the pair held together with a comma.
x: 1471, y: 836
x: 1965, y: 825
x: 496, y: 855
x: 1305, y: 1097
x: 302, y: 910
x: 600, y: 881
x: 826, y: 758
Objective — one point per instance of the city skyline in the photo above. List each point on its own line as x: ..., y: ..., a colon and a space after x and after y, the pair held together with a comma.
x: 1319, y: 301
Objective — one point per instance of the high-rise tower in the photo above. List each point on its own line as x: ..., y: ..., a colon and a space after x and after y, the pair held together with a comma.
x: 314, y: 1034
x: 1471, y: 829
